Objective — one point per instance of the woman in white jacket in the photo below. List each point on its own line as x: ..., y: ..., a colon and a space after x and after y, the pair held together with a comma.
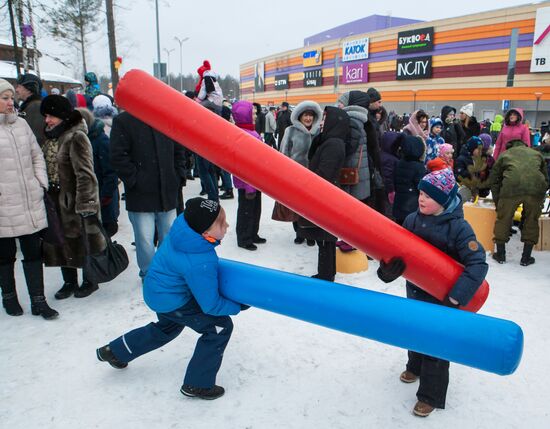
x: 22, y: 211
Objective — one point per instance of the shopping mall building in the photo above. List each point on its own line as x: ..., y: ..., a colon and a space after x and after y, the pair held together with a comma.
x: 496, y: 59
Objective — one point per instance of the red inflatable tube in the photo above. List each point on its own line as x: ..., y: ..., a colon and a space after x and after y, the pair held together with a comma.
x: 227, y: 146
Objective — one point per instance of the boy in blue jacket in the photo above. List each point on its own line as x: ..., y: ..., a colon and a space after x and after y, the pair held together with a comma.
x: 439, y: 220
x: 181, y: 286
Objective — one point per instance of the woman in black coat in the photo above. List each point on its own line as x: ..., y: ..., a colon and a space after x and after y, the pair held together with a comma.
x: 326, y: 157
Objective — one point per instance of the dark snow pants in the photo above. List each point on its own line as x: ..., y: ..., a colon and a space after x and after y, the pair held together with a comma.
x: 248, y: 218
x: 433, y: 372
x: 326, y: 263
x: 506, y: 208
x: 207, y: 358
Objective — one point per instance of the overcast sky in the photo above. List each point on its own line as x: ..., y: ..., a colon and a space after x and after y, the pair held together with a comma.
x: 229, y: 33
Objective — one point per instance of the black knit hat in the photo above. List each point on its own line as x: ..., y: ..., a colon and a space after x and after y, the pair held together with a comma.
x: 56, y: 105
x: 31, y: 82
x: 201, y: 213
x: 374, y: 95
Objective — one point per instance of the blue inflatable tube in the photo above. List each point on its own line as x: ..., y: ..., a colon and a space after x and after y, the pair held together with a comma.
x: 483, y: 342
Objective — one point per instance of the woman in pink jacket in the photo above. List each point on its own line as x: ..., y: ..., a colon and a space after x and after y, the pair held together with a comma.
x: 250, y: 199
x: 513, y: 129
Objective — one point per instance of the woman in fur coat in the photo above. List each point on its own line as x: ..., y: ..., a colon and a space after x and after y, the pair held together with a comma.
x: 296, y: 142
x: 73, y: 188
x: 22, y: 211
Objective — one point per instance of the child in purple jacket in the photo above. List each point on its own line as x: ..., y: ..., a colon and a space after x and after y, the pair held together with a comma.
x: 250, y: 199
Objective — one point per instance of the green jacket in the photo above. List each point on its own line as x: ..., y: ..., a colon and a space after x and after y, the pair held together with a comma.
x: 519, y: 170
x: 497, y: 124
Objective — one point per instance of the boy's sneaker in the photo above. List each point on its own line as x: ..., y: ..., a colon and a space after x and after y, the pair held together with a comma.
x: 104, y: 354
x: 202, y: 392
x: 421, y: 409
x: 408, y: 377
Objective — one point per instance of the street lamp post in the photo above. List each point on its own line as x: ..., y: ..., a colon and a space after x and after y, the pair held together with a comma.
x: 158, y: 37
x: 168, y: 51
x: 414, y: 99
x: 538, y: 95
x: 180, y: 41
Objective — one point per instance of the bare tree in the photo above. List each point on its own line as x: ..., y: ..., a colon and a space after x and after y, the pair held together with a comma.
x: 72, y: 21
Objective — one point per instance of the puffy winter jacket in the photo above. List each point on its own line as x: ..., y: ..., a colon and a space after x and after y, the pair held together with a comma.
x: 242, y: 115
x: 408, y: 173
x: 358, y: 139
x: 23, y: 179
x: 450, y: 233
x: 185, y: 266
x: 509, y: 132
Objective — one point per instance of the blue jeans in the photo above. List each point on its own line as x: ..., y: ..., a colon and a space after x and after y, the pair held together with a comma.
x: 144, y: 225
x: 208, y: 179
x: 207, y: 358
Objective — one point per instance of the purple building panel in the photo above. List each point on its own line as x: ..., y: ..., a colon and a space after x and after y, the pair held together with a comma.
x: 364, y: 25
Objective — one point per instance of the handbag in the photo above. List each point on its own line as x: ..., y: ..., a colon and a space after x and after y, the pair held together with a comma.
x: 282, y: 213
x: 350, y: 175
x: 53, y: 234
x: 108, y: 264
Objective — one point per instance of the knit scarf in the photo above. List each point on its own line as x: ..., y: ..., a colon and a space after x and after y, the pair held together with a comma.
x: 50, y: 149
x: 415, y: 129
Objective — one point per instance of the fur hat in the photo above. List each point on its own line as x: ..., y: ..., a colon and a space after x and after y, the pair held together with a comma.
x: 285, y: 104
x: 468, y: 109
x: 487, y: 140
x: 31, y: 82
x: 205, y: 66
x: 58, y: 106
x: 201, y: 213
x: 6, y: 86
x: 473, y: 143
x: 374, y: 95
x: 440, y: 186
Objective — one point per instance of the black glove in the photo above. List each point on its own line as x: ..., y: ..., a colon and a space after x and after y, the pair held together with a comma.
x: 244, y: 307
x: 388, y: 272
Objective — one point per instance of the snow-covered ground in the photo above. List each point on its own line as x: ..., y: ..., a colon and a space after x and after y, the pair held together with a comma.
x: 278, y: 372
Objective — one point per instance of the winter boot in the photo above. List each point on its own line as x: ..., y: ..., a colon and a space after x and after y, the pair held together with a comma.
x: 421, y: 409
x: 408, y: 377
x: 526, y: 258
x: 500, y: 254
x: 227, y: 195
x: 299, y: 240
x: 310, y: 243
x: 34, y: 275
x: 70, y: 277
x: 104, y: 354
x: 9, y: 294
x: 66, y: 291
x: 202, y: 392
x: 39, y: 307
x: 86, y: 289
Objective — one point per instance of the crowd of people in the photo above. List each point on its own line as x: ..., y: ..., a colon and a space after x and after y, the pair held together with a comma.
x: 63, y: 156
